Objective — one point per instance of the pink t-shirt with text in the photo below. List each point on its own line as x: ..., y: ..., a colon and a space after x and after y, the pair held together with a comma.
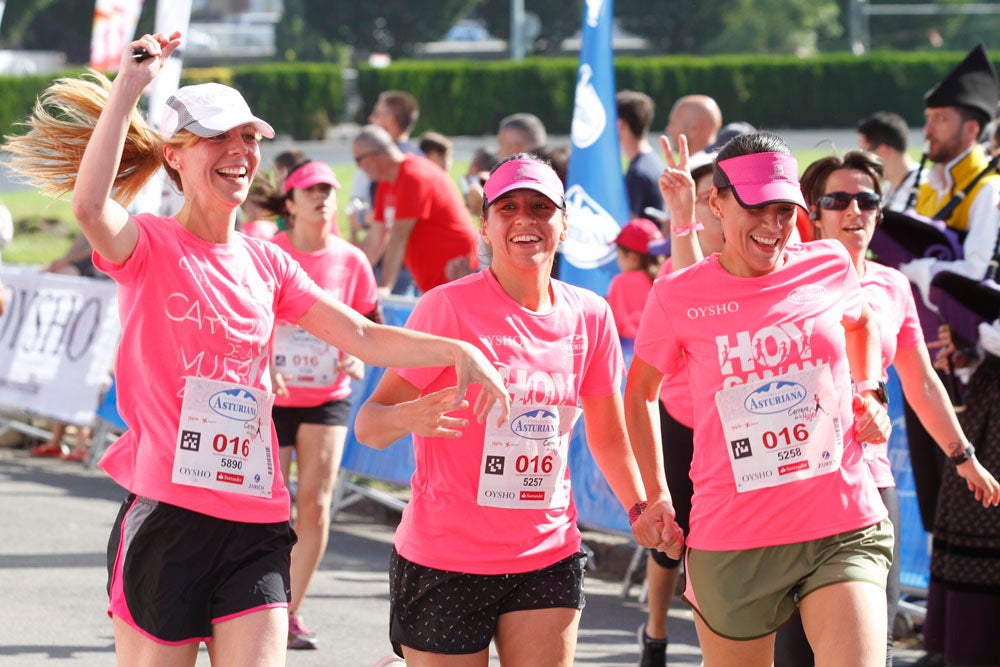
x: 890, y: 298
x: 569, y: 352
x: 734, y: 330
x: 627, y: 295
x: 675, y: 390
x: 193, y: 308
x: 344, y: 272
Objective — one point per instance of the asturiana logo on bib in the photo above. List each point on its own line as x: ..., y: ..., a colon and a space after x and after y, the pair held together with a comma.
x: 775, y: 397
x: 807, y: 293
x: 536, y: 425
x: 234, y: 404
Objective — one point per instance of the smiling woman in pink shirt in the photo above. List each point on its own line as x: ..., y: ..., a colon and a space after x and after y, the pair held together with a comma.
x: 784, y: 512
x: 488, y: 547
x: 200, y: 549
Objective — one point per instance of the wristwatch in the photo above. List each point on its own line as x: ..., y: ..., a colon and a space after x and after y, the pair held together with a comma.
x: 963, y: 456
x: 877, y: 386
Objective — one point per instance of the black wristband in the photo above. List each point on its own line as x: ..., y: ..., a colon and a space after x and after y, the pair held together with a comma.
x: 635, y: 512
x: 963, y: 456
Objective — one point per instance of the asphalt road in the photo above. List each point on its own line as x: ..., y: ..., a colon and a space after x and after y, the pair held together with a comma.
x: 56, y: 519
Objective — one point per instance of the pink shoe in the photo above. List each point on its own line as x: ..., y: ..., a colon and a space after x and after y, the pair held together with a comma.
x: 299, y: 637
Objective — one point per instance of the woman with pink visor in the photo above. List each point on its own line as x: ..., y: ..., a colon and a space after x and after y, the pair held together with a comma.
x: 488, y: 547
x: 784, y: 511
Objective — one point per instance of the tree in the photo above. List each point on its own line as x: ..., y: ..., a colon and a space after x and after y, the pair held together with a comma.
x: 673, y: 26
x: 309, y: 29
x: 558, y: 20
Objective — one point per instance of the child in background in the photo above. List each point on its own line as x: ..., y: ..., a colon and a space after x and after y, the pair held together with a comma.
x: 641, y: 247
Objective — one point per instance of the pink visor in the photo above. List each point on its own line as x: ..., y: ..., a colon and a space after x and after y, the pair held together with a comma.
x: 524, y: 173
x: 760, y: 179
x: 310, y: 174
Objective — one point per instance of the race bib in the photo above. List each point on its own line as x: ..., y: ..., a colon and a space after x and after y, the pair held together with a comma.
x: 302, y: 359
x: 224, y: 439
x: 782, y: 429
x: 524, y: 460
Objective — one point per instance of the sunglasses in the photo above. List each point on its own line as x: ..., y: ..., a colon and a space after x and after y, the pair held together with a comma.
x: 838, y: 201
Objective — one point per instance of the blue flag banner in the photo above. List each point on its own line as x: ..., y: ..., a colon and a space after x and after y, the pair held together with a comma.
x: 596, y: 201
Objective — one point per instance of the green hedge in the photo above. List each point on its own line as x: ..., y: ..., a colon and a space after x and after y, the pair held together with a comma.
x: 298, y: 99
x: 470, y: 97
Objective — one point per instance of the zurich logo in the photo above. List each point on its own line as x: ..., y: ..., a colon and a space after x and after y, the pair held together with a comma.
x: 234, y: 404
x: 536, y: 425
x: 774, y: 397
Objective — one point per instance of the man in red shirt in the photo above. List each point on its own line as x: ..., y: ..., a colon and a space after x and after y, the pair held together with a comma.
x: 420, y: 219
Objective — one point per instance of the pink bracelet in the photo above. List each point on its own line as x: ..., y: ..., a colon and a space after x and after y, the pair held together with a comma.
x: 684, y: 230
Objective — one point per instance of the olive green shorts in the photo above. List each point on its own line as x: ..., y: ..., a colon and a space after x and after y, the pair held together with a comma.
x: 751, y: 593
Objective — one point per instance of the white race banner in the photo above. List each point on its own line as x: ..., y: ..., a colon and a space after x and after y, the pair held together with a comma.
x: 58, y: 338
x: 114, y: 26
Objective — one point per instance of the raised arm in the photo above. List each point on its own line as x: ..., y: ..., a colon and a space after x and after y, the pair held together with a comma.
x: 105, y: 222
x: 678, y: 190
x: 381, y: 345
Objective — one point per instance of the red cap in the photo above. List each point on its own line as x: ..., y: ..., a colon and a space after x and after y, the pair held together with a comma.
x: 638, y: 235
x: 310, y: 174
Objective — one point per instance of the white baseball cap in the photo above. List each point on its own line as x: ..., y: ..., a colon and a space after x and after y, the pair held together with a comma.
x: 207, y: 110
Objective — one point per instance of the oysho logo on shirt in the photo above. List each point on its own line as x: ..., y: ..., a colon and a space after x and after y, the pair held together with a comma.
x: 807, y: 294
x: 502, y: 340
x: 712, y: 310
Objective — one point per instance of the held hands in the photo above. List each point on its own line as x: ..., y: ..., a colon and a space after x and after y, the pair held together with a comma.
x: 471, y: 367
x: 158, y: 46
x: 657, y: 529
x: 676, y: 184
x: 871, y: 420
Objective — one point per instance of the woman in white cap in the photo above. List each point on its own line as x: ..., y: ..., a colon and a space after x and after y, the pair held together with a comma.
x: 488, y: 547
x: 784, y: 511
x: 200, y: 549
x: 312, y: 379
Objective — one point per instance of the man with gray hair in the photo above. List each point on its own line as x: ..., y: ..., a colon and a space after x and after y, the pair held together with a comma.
x: 518, y: 133
x: 419, y: 219
x: 521, y: 133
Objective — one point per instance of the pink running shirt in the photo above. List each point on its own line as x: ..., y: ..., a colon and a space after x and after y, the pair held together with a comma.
x: 890, y: 297
x: 344, y: 272
x: 627, y: 295
x: 190, y: 307
x: 734, y: 330
x: 563, y: 354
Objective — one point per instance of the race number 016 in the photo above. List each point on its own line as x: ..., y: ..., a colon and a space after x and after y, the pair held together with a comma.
x: 799, y: 433
x: 240, y: 447
x: 533, y: 464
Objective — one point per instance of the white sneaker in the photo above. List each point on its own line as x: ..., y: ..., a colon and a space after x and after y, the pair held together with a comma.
x: 390, y: 661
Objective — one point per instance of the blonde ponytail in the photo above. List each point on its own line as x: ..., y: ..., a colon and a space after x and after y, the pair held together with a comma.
x: 48, y: 155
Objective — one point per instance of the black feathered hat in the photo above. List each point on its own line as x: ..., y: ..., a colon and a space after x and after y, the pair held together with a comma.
x: 972, y: 84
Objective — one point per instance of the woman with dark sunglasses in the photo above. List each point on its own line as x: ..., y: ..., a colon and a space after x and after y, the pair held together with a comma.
x: 843, y: 194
